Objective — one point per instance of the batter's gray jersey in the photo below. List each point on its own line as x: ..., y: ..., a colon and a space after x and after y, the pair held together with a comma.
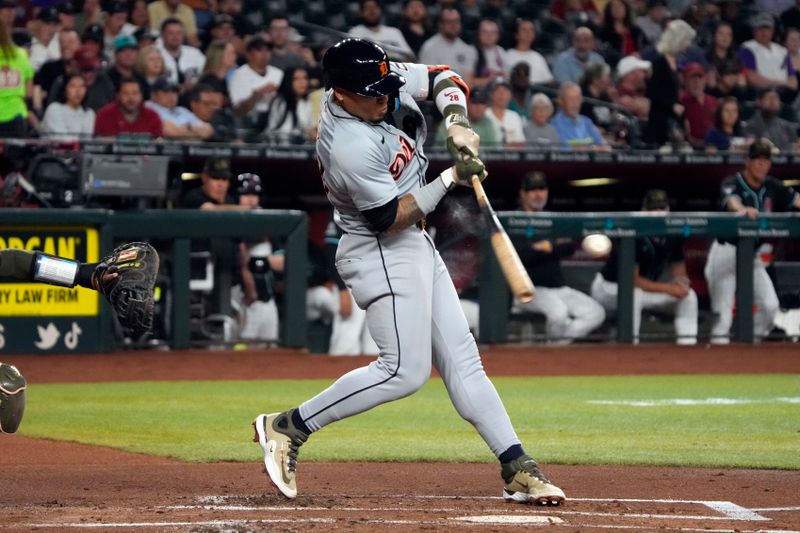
x: 412, y: 307
x: 365, y: 165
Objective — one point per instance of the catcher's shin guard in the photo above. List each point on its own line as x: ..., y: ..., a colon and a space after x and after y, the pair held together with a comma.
x: 12, y: 398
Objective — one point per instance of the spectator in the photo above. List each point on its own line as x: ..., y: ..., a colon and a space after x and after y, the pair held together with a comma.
x: 99, y: 89
x: 699, y: 107
x: 539, y: 131
x: 729, y: 81
x: 596, y: 84
x: 573, y: 13
x: 241, y: 23
x: 184, y: 63
x: 654, y: 256
x: 66, y: 16
x: 127, y: 114
x: 792, y: 43
x: 481, y: 124
x: 18, y: 74
x: 732, y: 12
x: 766, y: 122
x: 220, y: 66
x: 206, y: 103
x: 726, y: 134
x: 290, y: 116
x: 223, y: 29
x: 43, y: 80
x: 524, y: 36
x: 571, y: 64
x: 447, y: 48
x: 91, y: 14
x: 161, y: 11
x: 491, y: 57
x: 138, y: 16
x: 45, y: 46
x: 126, y: 52
x: 507, y: 121
x: 576, y: 131
x: 372, y: 29
x: 145, y: 37
x: 791, y: 17
x: 8, y: 13
x: 767, y: 63
x: 92, y: 36
x: 618, y: 32
x: 177, y: 121
x: 115, y: 24
x: 253, y: 85
x: 721, y: 53
x: 415, y: 27
x: 67, y: 117
x: 521, y: 91
x: 652, y: 22
x: 150, y: 64
x: 662, y: 88
x: 570, y: 314
x: 212, y: 195
x: 285, y: 53
x: 630, y: 87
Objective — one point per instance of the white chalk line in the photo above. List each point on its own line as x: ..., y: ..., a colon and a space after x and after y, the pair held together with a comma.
x: 665, y: 402
x: 775, y: 509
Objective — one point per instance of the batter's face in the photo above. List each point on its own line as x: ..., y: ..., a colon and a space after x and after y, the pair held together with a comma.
x: 533, y: 199
x: 363, y: 107
x: 756, y: 170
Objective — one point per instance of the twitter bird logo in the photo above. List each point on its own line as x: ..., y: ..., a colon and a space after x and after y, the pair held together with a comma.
x: 48, y: 337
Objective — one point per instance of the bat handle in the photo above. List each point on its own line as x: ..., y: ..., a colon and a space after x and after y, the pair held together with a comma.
x: 478, y: 187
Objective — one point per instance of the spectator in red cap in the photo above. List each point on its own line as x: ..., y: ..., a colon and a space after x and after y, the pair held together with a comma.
x: 126, y: 114
x: 699, y: 107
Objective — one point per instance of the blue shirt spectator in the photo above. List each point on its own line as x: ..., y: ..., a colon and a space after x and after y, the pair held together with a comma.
x: 576, y: 131
x: 572, y: 62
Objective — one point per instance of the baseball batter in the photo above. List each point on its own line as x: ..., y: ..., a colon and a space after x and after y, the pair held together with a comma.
x: 747, y: 193
x: 370, y: 142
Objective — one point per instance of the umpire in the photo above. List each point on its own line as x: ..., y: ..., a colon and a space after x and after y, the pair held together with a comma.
x: 653, y: 256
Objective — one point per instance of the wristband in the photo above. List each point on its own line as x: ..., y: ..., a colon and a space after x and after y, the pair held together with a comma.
x: 54, y: 270
x: 447, y: 179
x: 456, y: 118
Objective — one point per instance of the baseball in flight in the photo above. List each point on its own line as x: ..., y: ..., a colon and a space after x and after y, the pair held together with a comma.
x: 596, y: 245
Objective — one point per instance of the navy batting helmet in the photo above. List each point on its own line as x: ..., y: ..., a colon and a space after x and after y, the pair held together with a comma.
x: 361, y: 67
x: 248, y: 183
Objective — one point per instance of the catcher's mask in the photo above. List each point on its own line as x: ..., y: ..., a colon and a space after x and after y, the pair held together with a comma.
x: 360, y: 67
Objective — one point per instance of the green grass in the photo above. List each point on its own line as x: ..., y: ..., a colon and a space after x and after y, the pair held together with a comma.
x: 210, y: 421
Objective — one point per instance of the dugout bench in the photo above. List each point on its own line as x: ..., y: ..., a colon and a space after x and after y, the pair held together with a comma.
x: 494, y: 296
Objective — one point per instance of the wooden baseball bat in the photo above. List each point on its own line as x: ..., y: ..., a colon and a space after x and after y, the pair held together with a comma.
x: 516, y: 276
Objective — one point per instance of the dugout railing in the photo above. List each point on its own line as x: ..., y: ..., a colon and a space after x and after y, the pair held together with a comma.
x: 624, y: 228
x: 179, y: 227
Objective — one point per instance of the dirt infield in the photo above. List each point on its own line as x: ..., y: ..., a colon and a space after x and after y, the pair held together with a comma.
x: 50, y: 485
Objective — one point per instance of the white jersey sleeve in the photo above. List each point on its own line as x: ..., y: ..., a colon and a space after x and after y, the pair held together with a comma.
x: 416, y: 76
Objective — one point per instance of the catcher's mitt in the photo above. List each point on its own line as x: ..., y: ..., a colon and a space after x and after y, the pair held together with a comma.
x: 130, y: 292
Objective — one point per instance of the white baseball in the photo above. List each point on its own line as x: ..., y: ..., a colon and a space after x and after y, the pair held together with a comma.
x: 596, y: 245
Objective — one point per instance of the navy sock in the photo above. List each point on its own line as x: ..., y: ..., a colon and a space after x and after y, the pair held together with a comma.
x: 514, y: 452
x: 297, y: 420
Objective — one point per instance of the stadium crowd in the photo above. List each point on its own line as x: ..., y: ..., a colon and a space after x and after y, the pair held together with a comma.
x: 568, y: 74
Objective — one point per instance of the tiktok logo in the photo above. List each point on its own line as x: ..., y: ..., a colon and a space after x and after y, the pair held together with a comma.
x: 71, y: 337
